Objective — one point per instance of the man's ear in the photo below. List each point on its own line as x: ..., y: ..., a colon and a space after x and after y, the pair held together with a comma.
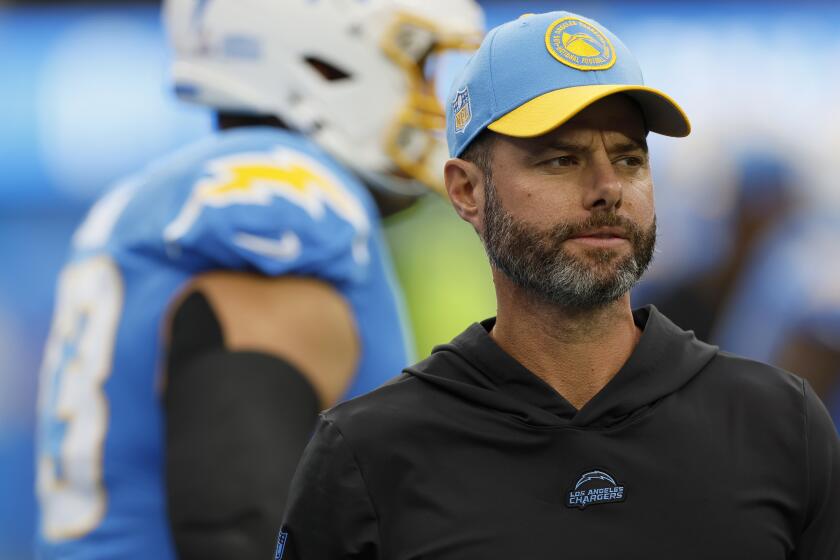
x: 465, y: 186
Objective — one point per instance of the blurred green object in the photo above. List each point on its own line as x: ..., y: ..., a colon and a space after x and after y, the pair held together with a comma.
x: 443, y: 271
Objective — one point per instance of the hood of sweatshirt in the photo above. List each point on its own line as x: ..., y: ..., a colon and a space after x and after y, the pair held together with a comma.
x: 475, y: 368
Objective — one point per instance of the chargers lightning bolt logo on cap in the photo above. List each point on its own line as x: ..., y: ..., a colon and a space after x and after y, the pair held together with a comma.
x: 579, y: 44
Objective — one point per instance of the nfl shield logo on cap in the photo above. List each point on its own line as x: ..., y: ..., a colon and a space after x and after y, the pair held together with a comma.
x: 462, y: 110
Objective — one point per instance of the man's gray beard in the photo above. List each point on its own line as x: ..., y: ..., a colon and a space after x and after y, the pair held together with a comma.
x: 536, y: 260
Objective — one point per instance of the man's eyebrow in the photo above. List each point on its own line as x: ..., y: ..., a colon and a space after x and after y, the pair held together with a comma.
x: 566, y: 147
x: 630, y: 145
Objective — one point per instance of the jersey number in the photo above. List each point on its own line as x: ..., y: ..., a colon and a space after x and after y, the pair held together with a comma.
x: 73, y: 407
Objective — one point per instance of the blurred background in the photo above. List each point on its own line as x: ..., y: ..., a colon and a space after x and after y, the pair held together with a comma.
x: 748, y: 205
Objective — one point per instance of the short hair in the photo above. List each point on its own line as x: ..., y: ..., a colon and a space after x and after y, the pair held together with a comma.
x: 480, y: 152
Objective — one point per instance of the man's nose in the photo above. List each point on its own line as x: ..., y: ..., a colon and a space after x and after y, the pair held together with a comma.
x: 604, y: 191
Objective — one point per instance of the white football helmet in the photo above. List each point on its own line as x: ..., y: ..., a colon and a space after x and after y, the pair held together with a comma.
x: 351, y: 74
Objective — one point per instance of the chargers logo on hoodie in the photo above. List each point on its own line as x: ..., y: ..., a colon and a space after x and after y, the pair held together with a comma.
x: 595, y: 487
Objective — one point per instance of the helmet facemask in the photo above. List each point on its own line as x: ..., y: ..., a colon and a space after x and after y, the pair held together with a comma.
x: 416, y: 141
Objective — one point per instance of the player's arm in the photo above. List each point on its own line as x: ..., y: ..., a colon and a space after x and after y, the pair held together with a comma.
x: 330, y: 513
x: 251, y: 361
x: 820, y: 538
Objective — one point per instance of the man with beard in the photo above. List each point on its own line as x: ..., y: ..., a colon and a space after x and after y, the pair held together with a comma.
x: 570, y: 425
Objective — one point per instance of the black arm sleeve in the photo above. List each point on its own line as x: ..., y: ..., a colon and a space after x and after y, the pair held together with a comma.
x: 330, y: 513
x: 821, y: 536
x: 236, y: 424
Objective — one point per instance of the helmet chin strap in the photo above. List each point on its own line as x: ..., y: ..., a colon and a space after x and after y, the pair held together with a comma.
x: 403, y: 173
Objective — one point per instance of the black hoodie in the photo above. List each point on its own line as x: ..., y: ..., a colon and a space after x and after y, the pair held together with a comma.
x: 687, y: 453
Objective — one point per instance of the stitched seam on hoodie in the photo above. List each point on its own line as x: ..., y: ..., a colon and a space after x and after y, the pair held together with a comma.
x: 364, y: 480
x: 807, y: 460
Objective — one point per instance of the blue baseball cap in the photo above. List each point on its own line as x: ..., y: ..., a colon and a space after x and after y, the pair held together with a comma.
x: 533, y: 74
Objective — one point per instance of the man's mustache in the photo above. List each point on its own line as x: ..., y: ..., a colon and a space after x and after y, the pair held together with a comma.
x: 561, y: 232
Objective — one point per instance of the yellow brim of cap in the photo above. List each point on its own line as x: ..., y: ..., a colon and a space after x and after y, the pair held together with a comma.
x: 552, y: 109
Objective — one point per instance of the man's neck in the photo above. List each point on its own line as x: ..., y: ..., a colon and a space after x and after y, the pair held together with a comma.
x: 576, y: 352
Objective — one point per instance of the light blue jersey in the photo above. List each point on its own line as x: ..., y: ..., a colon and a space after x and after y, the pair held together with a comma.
x: 257, y: 200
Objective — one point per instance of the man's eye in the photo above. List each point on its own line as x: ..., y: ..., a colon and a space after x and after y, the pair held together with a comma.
x: 562, y: 161
x: 632, y: 161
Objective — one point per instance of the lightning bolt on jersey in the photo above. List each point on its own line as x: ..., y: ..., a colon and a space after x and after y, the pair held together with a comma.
x: 257, y: 200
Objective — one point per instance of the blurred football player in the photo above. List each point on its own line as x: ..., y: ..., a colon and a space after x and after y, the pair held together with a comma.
x: 215, y: 302
x: 766, y: 192
x: 786, y: 310
x: 774, y: 297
